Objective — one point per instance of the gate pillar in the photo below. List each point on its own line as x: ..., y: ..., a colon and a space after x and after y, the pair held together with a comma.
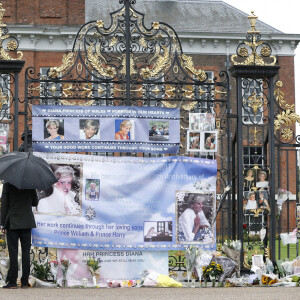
x: 254, y: 69
x: 10, y: 67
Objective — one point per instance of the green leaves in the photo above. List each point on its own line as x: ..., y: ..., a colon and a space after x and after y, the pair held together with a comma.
x: 41, y: 271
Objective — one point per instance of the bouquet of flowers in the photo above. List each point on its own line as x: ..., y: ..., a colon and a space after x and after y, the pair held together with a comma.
x: 233, y: 244
x: 213, y: 270
x: 269, y: 279
x: 203, y: 258
x: 54, y: 269
x: 41, y: 271
x: 232, y: 249
x: 190, y: 260
x: 129, y: 283
x: 3, y: 243
x: 94, y: 268
x: 282, y: 196
x: 64, y: 265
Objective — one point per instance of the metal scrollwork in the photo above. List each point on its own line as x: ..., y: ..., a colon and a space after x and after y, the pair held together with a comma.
x: 286, y: 118
x: 254, y: 52
x: 12, y: 43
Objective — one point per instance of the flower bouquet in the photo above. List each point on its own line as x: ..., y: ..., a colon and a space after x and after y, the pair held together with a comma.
x: 203, y: 258
x: 232, y: 249
x: 94, y: 268
x: 54, y: 269
x: 190, y: 261
x: 213, y: 270
x: 41, y: 271
x: 64, y: 265
x: 282, y: 196
x: 269, y: 279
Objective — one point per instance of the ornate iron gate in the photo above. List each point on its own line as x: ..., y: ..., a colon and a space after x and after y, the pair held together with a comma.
x: 129, y: 64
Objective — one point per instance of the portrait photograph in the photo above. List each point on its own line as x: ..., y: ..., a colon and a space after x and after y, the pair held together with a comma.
x: 262, y: 180
x: 250, y: 200
x: 194, y: 121
x: 92, y: 189
x: 54, y: 129
x: 210, y: 141
x: 124, y: 129
x: 193, y: 140
x: 195, y: 213
x: 249, y: 179
x: 158, y: 130
x: 210, y: 122
x: 64, y: 197
x: 158, y: 231
x: 263, y: 199
x: 89, y: 129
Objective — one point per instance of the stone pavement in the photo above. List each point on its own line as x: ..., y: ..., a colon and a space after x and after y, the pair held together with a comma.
x: 249, y: 293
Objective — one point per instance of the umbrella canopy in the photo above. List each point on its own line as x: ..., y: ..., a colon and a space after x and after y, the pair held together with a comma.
x: 26, y: 171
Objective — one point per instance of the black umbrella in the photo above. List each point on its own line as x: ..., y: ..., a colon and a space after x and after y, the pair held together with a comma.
x: 26, y: 171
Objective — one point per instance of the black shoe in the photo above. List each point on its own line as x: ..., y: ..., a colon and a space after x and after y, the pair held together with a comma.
x: 24, y: 286
x: 10, y: 286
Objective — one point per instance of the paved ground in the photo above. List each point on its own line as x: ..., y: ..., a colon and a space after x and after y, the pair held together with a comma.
x: 255, y: 293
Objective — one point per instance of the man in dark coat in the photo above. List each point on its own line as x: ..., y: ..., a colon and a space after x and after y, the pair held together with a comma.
x: 17, y: 220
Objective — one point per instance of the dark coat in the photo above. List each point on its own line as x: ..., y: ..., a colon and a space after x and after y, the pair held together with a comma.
x: 16, y: 207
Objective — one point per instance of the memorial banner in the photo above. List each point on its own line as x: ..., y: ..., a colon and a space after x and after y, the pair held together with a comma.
x: 105, y: 129
x: 129, y: 264
x: 127, y: 203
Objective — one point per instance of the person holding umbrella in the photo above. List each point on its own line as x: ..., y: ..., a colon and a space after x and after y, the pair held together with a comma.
x: 17, y: 220
x: 17, y: 169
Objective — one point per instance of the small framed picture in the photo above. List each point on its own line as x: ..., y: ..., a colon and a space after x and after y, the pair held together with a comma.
x: 194, y: 121
x: 158, y: 130
x: 89, y: 129
x: 193, y: 140
x: 124, y: 129
x: 210, y: 122
x: 258, y: 260
x: 209, y: 141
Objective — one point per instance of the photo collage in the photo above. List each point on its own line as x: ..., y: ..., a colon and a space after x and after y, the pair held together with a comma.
x: 201, y: 136
x: 256, y: 189
x: 89, y: 129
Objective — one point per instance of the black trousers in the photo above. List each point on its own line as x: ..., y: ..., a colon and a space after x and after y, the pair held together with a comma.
x: 13, y: 236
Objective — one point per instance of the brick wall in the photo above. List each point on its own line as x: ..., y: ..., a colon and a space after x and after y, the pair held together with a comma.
x: 52, y: 12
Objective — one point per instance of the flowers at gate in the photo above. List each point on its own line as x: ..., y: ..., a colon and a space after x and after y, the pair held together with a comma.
x: 269, y: 279
x: 93, y: 265
x: 94, y: 268
x: 213, y: 269
x: 54, y: 269
x: 2, y: 243
x: 64, y: 265
x: 282, y: 196
x: 41, y: 271
x: 233, y: 244
x: 129, y: 283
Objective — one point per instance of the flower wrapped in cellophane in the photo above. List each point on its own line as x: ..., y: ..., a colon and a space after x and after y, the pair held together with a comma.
x: 269, y: 279
x: 282, y: 196
x: 213, y: 270
x: 54, y: 269
x: 94, y: 268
